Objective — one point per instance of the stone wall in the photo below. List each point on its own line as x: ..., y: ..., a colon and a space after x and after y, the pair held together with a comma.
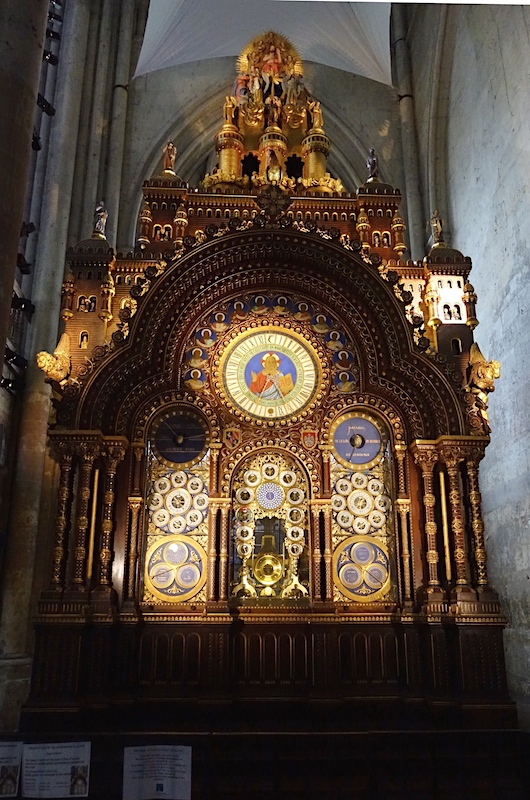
x: 478, y: 157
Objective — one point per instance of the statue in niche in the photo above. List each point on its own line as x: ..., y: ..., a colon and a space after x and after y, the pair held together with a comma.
x: 436, y: 227
x: 274, y: 172
x: 100, y: 220
x: 456, y: 312
x: 170, y: 152
x: 83, y: 340
x: 273, y: 109
x: 372, y: 165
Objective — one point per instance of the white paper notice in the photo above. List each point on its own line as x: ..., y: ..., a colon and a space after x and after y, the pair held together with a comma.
x: 157, y: 771
x: 10, y: 755
x: 56, y: 770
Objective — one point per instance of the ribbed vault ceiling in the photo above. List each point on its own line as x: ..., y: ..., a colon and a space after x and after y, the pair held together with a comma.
x: 353, y: 37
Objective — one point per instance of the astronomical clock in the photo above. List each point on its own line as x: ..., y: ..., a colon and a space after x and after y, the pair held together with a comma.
x: 268, y: 433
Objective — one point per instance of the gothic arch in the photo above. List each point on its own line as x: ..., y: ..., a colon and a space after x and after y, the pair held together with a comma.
x: 324, y: 272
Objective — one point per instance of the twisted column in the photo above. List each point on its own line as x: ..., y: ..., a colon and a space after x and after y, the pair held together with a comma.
x: 477, y: 522
x: 212, y: 551
x: 215, y: 448
x: 326, y: 472
x: 87, y: 452
x: 403, y: 509
x: 426, y: 456
x: 328, y: 550
x: 66, y: 455
x: 452, y: 457
x: 317, y: 555
x: 426, y: 459
x: 223, y: 553
x: 113, y: 454
x: 135, y: 505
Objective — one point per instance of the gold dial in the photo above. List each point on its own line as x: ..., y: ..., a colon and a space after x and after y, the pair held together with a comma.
x: 271, y: 373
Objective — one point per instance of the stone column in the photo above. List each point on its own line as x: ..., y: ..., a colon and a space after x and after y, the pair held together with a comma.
x: 408, y: 131
x: 48, y: 278
x: 98, y: 121
x: 119, y: 117
x: 23, y: 28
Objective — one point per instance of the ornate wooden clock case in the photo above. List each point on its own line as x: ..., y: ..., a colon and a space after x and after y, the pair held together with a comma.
x: 268, y: 474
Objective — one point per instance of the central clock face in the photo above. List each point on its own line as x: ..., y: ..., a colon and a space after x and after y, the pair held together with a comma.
x: 271, y: 373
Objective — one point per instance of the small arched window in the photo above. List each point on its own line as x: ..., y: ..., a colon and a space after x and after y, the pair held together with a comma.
x: 456, y: 347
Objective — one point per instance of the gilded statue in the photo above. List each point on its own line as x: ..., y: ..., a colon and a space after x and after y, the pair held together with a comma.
x: 317, y: 119
x: 229, y: 109
x: 481, y: 381
x: 57, y: 366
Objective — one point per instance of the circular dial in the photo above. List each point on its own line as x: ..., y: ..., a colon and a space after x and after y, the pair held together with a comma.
x: 271, y: 373
x: 175, y: 568
x: 362, y: 569
x: 357, y: 441
x: 180, y: 437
